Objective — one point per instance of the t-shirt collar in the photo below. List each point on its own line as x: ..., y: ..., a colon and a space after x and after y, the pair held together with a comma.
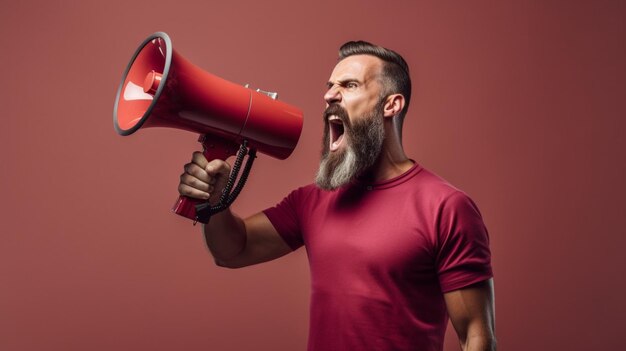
x: 390, y: 183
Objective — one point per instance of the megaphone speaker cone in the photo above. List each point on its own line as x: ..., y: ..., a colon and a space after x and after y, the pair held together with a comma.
x: 133, y: 104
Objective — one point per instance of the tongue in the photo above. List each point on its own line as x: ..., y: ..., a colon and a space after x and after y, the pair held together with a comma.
x: 335, y: 144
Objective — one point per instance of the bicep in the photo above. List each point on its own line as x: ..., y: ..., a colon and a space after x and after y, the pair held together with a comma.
x: 263, y: 243
x: 471, y: 310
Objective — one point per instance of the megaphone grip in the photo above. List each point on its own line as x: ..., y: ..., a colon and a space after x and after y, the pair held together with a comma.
x: 205, y: 210
x: 214, y: 148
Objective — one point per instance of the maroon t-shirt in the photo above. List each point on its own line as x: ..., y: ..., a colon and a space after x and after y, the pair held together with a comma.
x: 381, y: 256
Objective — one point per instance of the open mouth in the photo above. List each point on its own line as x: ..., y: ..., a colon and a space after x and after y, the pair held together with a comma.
x: 336, y: 132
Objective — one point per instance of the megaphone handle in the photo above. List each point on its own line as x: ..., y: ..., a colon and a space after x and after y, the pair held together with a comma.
x: 214, y: 148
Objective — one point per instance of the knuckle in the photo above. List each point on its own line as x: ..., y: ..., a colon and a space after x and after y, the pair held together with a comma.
x: 196, y: 183
x: 194, y: 170
x: 198, y: 158
x: 225, y: 167
x: 220, y: 167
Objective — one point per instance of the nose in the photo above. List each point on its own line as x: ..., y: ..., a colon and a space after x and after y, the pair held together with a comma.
x: 332, y: 95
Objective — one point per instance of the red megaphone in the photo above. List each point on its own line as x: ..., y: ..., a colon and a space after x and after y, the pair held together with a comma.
x: 160, y: 88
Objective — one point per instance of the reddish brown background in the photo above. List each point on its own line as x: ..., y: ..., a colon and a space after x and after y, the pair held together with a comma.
x: 521, y: 104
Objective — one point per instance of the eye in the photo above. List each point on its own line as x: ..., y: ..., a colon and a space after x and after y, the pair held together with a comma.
x: 352, y: 85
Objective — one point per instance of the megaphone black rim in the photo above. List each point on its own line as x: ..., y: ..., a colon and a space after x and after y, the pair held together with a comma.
x: 166, y: 69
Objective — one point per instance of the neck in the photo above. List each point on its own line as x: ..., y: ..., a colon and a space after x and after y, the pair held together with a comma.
x: 391, y: 162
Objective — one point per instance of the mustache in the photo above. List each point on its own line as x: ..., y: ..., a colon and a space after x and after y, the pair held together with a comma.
x: 336, y: 110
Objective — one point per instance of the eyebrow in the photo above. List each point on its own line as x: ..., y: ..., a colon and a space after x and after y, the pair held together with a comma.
x: 343, y: 82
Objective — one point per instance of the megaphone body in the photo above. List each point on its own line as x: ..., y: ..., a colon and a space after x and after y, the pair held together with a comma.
x: 160, y: 88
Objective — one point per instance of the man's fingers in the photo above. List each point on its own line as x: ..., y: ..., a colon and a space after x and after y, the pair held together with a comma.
x: 189, y: 191
x: 195, y: 183
x: 202, y: 178
x: 217, y: 168
x: 198, y: 172
x: 199, y: 159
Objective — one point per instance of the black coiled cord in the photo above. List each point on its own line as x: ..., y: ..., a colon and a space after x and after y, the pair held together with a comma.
x: 204, y: 211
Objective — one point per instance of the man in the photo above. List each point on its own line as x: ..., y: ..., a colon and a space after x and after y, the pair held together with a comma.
x: 394, y: 250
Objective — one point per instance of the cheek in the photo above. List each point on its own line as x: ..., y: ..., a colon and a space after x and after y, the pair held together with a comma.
x: 358, y: 104
x: 354, y: 107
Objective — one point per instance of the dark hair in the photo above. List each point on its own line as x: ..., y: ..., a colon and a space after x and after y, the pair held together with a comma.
x: 396, y: 78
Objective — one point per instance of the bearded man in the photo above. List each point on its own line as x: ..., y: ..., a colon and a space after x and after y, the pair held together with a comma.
x: 394, y: 250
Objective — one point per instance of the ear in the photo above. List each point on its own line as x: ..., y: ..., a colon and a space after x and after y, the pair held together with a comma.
x: 393, y: 105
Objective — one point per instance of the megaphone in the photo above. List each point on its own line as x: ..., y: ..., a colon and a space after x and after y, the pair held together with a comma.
x: 160, y: 88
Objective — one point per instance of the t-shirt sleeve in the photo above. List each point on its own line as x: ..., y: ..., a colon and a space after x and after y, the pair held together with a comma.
x: 463, y: 256
x: 284, y: 217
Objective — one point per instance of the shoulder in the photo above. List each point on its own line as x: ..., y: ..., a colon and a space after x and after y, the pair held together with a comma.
x: 434, y: 184
x: 305, y: 193
x: 301, y: 198
x: 432, y: 191
x: 446, y: 203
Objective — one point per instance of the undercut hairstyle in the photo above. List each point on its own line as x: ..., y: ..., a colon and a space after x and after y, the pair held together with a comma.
x: 395, y: 75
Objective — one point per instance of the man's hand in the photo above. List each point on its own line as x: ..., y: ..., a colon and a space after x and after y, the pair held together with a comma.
x: 202, y: 179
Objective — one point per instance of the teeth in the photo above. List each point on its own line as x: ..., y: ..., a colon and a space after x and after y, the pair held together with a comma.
x: 336, y: 132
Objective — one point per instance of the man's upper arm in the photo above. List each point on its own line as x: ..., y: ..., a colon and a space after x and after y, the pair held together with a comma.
x: 263, y: 243
x: 472, y: 313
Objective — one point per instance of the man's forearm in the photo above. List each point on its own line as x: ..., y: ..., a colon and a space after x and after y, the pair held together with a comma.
x: 472, y: 313
x: 479, y: 343
x: 225, y: 235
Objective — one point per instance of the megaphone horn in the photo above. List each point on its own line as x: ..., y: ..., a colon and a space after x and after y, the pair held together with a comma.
x: 160, y: 88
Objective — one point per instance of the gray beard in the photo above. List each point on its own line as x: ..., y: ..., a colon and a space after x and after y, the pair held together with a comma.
x: 364, y: 140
